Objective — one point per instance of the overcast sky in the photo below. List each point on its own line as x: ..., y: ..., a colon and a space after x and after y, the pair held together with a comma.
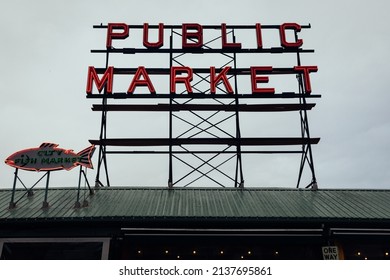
x: 45, y: 54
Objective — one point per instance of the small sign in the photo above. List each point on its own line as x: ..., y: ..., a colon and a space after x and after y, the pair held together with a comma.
x: 330, y: 253
x: 48, y: 157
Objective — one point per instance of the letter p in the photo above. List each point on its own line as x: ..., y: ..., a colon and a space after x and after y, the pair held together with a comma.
x: 116, y: 35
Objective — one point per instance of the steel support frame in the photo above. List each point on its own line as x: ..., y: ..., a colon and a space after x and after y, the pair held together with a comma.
x: 205, y: 160
x: 29, y: 191
x: 307, y: 154
x: 102, y: 157
x: 177, y: 100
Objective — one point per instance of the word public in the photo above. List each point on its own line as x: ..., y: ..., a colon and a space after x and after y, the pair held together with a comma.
x: 192, y: 39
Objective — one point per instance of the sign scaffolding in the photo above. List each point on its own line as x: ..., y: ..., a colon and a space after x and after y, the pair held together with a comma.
x: 203, y: 103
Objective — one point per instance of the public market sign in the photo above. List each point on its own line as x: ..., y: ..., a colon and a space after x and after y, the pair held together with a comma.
x: 193, y: 41
x: 48, y: 157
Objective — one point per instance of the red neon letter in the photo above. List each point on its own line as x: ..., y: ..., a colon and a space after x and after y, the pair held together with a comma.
x: 221, y: 76
x: 197, y: 35
x: 306, y: 70
x: 141, y: 71
x: 258, y: 36
x: 160, y: 41
x: 185, y: 80
x: 113, y: 35
x: 282, y: 33
x: 225, y: 44
x: 260, y: 79
x: 107, y: 80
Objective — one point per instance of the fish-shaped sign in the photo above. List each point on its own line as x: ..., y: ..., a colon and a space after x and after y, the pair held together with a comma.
x: 48, y: 157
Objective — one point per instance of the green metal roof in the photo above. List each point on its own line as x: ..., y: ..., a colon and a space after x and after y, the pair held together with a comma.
x: 254, y: 203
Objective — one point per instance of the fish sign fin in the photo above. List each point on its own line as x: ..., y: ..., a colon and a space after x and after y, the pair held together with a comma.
x: 48, y: 145
x: 86, y: 156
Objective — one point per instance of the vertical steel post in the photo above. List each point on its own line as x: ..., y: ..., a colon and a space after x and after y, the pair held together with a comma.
x: 238, y: 131
x: 102, y: 148
x: 45, y: 204
x: 170, y: 175
x: 12, y: 204
x: 77, y: 204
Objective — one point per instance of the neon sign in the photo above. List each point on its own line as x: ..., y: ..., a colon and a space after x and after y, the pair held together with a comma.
x: 192, y: 41
x: 48, y: 157
x: 208, y: 75
x: 192, y: 35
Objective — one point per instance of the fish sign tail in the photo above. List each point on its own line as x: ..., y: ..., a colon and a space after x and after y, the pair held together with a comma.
x: 86, y: 157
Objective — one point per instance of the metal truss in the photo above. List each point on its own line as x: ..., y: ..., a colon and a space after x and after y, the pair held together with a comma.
x: 200, y: 123
x: 205, y: 141
x: 29, y: 191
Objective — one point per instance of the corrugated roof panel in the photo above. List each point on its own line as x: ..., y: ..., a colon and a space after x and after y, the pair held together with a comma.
x: 27, y: 207
x: 315, y: 201
x: 354, y: 204
x: 200, y: 202
x: 334, y: 204
x: 379, y: 206
x: 257, y: 203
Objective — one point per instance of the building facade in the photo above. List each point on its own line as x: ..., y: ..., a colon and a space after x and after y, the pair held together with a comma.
x: 194, y: 223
